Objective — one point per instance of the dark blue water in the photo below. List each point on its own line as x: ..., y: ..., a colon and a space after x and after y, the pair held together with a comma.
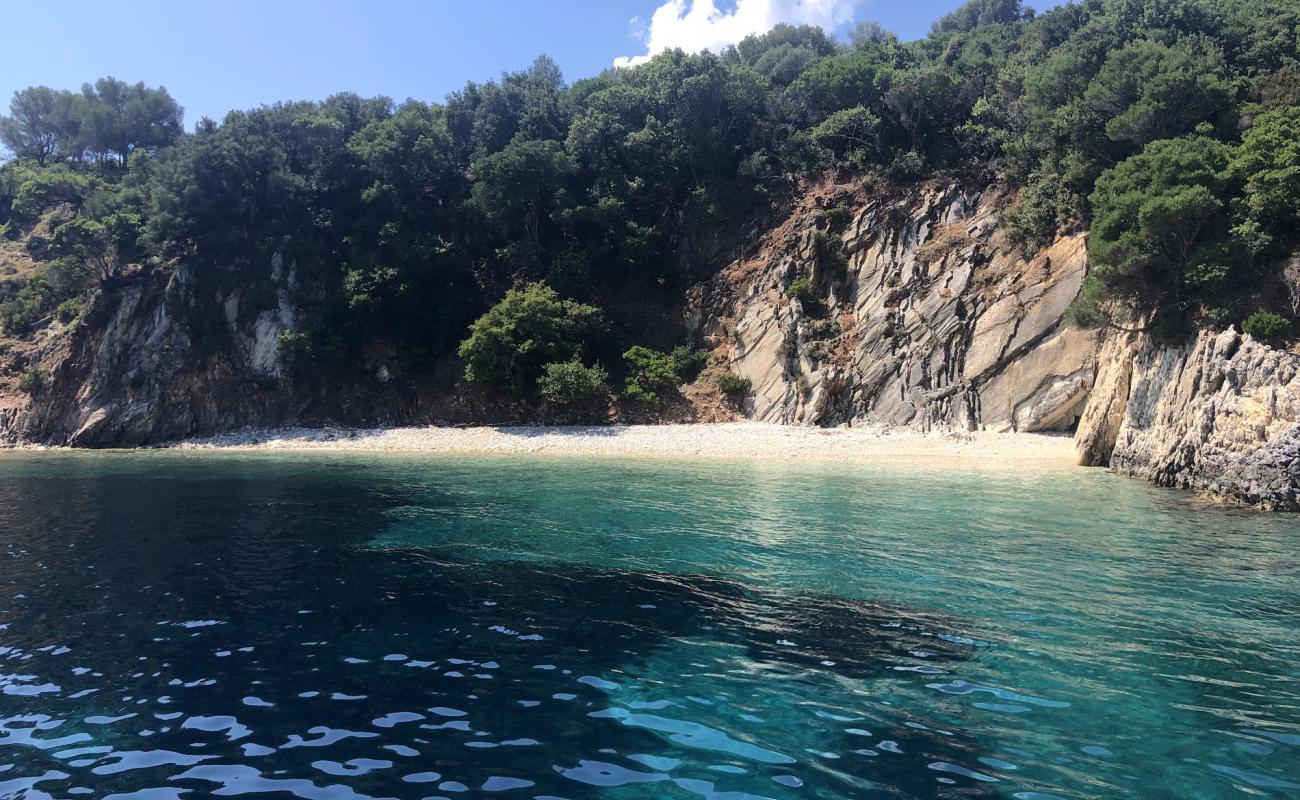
x: 182, y: 626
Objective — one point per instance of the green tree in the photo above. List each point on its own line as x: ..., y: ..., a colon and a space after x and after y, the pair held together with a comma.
x: 1266, y: 325
x: 1268, y: 165
x: 118, y: 118
x: 652, y: 375
x: 1159, y: 232
x: 509, y: 346
x: 521, y: 189
x: 32, y: 381
x: 99, y: 247
x: 406, y: 273
x: 781, y: 54
x: 1147, y: 90
x: 975, y: 13
x: 40, y: 125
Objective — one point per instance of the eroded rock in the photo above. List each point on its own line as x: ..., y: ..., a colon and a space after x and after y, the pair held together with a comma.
x: 1219, y: 415
x: 934, y: 324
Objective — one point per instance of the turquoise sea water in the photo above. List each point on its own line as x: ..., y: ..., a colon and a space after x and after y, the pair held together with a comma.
x: 342, y: 626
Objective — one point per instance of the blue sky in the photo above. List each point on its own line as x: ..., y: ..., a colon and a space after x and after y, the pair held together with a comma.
x: 217, y: 56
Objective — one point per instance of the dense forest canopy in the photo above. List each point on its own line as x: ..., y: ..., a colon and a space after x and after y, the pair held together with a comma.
x: 1168, y: 127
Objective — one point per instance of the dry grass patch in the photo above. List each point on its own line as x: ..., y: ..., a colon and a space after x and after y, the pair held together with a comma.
x: 947, y: 239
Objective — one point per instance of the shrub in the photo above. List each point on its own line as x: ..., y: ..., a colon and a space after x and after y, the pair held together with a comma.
x: 70, y: 309
x: 509, y: 346
x: 801, y: 289
x: 571, y: 383
x: 838, y: 217
x: 906, y: 166
x: 825, y: 329
x: 293, y: 346
x: 32, y: 381
x: 28, y: 307
x: 649, y: 373
x: 1086, y: 310
x: 1266, y: 325
x: 1159, y: 233
x: 1044, y: 204
x: 687, y: 362
x: 636, y: 393
x: 731, y: 383
x: 829, y: 252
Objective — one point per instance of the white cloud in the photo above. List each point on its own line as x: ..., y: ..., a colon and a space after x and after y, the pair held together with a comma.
x: 695, y: 25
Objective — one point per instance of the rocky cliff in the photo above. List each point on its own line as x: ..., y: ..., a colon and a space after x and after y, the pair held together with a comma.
x: 1220, y: 414
x: 158, y: 356
x: 866, y: 305
x: 917, y: 315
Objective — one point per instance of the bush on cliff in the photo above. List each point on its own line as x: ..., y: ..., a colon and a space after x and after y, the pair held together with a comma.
x: 1160, y: 232
x: 653, y: 374
x: 731, y: 383
x: 1266, y: 325
x: 32, y: 381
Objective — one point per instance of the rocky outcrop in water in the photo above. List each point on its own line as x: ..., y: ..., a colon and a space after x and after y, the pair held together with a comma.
x: 1220, y: 414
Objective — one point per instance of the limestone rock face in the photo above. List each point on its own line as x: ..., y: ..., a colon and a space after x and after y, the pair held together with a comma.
x: 932, y: 323
x: 1104, y: 413
x: 1220, y: 414
x: 159, y: 357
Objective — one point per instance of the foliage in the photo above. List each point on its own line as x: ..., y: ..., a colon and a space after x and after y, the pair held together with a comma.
x: 571, y: 383
x: 1032, y: 222
x: 293, y: 347
x: 731, y: 383
x: 1148, y: 90
x: 32, y: 381
x: 1266, y: 325
x: 400, y: 224
x: 1268, y: 165
x: 38, y: 297
x: 509, y: 346
x: 824, y: 329
x: 69, y: 310
x: 982, y: 12
x: 652, y: 374
x: 687, y: 362
x: 828, y: 249
x: 1159, y: 237
x: 108, y: 118
x: 838, y: 217
x: 801, y: 289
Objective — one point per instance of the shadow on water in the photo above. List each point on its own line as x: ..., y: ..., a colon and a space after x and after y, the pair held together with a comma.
x: 227, y: 631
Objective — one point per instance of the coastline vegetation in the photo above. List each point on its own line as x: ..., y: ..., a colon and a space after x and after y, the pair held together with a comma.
x: 538, y: 229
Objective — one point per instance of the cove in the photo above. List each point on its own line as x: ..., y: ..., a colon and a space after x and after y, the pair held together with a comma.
x: 178, y: 625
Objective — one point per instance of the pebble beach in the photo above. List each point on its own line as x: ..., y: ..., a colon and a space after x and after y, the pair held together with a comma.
x: 744, y: 440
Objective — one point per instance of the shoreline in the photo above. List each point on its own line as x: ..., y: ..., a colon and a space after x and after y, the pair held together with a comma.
x: 731, y: 440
